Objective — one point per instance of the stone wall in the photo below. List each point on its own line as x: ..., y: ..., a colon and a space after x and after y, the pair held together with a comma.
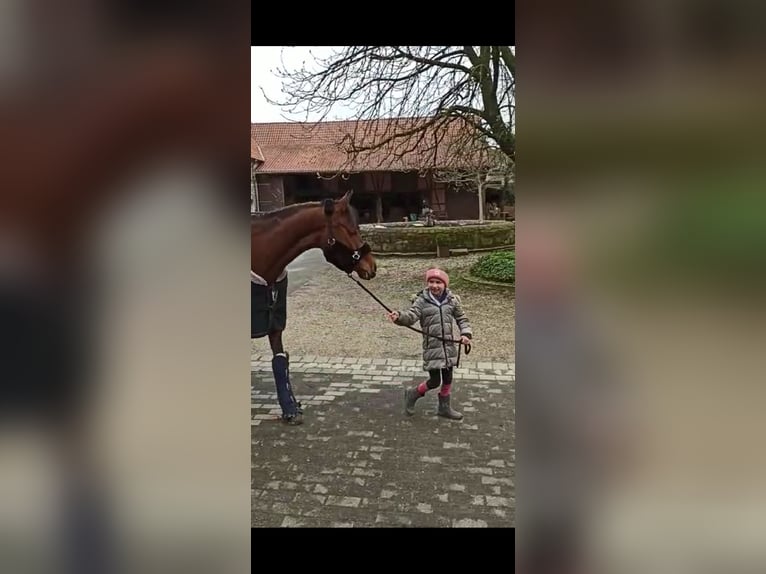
x: 408, y: 239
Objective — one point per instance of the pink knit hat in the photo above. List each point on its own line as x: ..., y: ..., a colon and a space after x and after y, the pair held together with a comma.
x: 436, y: 273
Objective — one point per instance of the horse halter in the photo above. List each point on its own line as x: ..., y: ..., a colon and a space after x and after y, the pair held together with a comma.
x: 335, y: 252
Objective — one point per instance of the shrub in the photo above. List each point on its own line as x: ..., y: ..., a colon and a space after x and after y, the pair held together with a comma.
x: 497, y: 266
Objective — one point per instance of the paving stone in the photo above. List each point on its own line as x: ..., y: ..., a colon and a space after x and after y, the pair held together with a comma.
x: 358, y: 461
x: 469, y: 523
x: 343, y: 501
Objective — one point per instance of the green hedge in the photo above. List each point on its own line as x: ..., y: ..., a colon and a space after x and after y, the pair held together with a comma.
x: 397, y: 239
x: 497, y: 266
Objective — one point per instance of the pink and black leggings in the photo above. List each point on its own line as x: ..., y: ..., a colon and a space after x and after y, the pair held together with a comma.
x: 438, y: 377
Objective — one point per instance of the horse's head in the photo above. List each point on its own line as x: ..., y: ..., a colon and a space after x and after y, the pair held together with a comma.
x: 345, y: 247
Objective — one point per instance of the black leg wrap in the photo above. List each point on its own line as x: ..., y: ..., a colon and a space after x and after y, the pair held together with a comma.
x: 285, y: 396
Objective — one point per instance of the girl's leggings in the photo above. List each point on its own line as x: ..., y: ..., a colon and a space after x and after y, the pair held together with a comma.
x: 439, y: 376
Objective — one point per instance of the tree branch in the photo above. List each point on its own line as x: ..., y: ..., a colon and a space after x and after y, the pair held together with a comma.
x: 495, y: 68
x: 508, y: 59
x: 472, y: 55
x: 427, y: 88
x: 434, y: 61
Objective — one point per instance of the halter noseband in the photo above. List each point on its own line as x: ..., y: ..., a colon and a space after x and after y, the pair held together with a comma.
x: 335, y: 252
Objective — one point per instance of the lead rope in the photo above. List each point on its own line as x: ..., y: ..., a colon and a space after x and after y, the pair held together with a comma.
x: 447, y: 340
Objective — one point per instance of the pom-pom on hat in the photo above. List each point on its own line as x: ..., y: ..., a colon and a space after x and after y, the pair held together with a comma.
x: 437, y: 274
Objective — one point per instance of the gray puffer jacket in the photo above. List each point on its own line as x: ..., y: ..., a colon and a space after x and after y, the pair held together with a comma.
x: 436, y: 320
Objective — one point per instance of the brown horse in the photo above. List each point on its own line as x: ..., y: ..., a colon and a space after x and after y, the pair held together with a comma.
x: 277, y: 238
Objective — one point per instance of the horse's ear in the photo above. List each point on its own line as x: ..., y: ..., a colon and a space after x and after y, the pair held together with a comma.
x: 329, y: 206
x: 347, y: 197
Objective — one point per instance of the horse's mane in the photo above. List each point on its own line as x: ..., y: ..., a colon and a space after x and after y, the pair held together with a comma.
x: 273, y: 217
x: 285, y: 211
x: 290, y: 210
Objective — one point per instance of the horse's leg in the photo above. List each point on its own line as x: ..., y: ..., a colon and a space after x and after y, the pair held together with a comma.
x: 291, y: 408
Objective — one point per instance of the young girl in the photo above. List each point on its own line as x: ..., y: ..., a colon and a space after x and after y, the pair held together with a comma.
x: 435, y: 308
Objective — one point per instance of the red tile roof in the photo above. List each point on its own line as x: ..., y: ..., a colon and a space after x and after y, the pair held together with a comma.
x: 255, y: 150
x: 293, y: 147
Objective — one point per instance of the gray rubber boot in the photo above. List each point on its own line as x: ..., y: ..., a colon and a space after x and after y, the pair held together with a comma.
x: 446, y: 411
x: 410, y: 397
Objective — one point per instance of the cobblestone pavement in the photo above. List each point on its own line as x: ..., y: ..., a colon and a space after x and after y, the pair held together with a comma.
x: 359, y: 461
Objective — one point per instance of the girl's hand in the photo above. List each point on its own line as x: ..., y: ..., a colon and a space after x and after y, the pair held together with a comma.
x: 465, y: 340
x: 393, y: 315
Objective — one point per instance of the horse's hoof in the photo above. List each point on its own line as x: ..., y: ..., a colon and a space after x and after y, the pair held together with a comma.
x: 296, y: 419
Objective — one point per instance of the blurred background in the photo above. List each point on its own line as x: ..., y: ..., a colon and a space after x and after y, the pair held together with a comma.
x: 641, y: 227
x: 640, y: 258
x: 123, y: 305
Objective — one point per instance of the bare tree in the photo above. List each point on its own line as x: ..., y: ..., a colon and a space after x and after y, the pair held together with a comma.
x: 416, y: 106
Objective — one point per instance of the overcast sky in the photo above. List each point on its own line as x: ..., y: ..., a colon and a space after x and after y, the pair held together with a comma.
x: 265, y: 59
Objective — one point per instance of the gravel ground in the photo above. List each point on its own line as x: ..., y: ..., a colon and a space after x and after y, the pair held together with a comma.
x: 332, y: 316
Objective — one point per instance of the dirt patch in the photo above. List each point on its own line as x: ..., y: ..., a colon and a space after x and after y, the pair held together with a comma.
x: 332, y: 316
